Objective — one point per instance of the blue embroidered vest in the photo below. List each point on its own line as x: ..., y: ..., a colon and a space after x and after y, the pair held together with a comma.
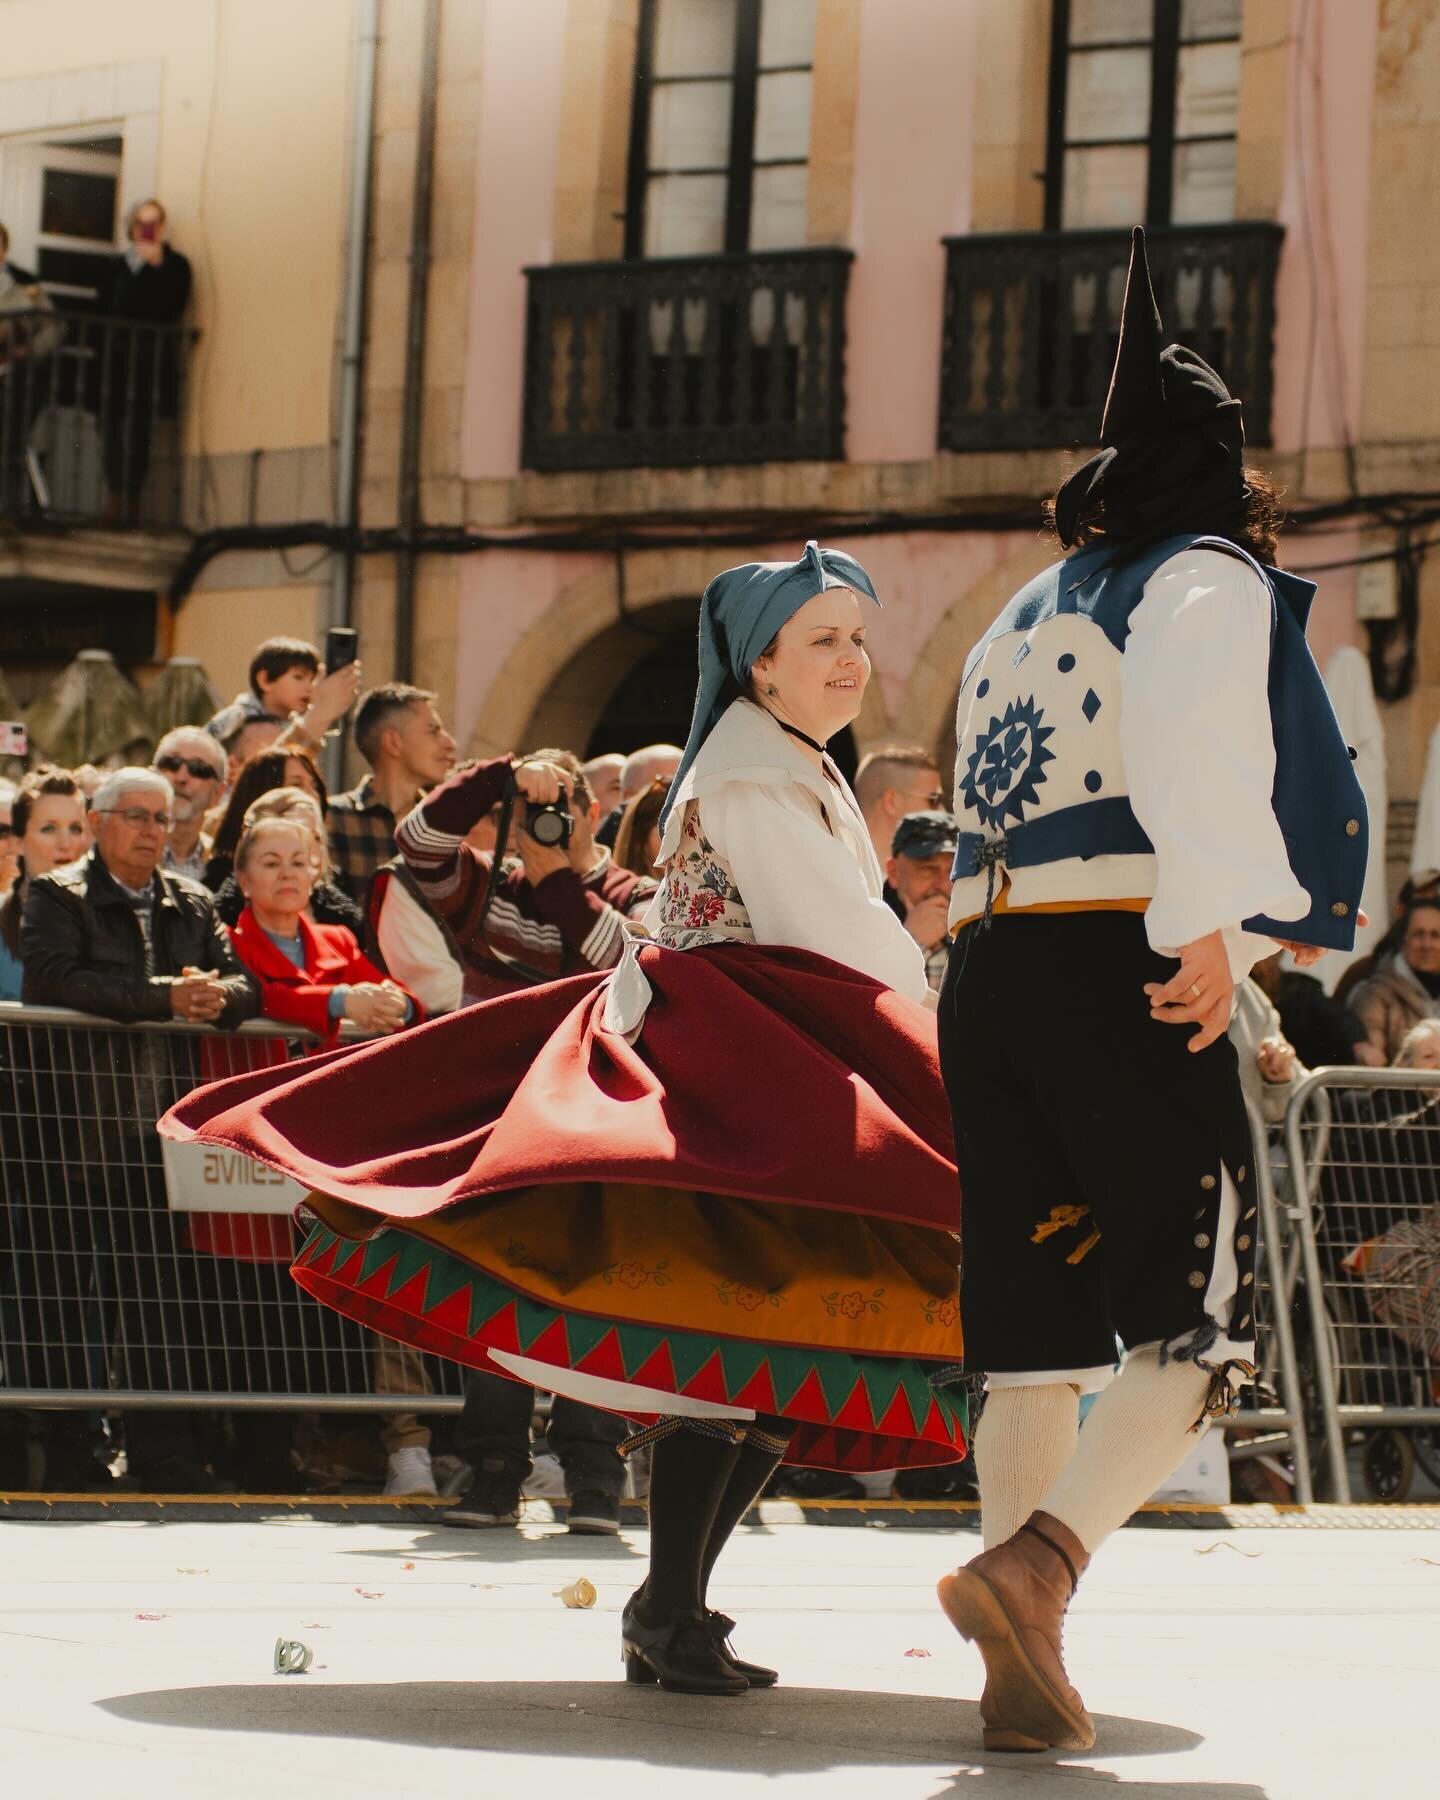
x: 1039, y: 779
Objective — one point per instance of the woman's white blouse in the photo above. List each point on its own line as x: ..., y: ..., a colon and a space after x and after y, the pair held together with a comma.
x: 803, y: 884
x: 795, y: 843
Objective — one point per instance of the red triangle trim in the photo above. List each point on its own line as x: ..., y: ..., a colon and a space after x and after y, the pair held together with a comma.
x: 759, y: 1391
x: 899, y: 1420
x: 452, y: 1314
x: 604, y: 1360
x: 377, y: 1286
x: 708, y: 1381
x: 500, y: 1333
x: 856, y: 1414
x: 657, y: 1371
x: 410, y: 1298
x: 808, y: 1401
x: 552, y: 1345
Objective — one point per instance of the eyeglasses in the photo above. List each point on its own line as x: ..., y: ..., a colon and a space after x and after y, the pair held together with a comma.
x: 137, y: 818
x: 201, y: 771
x: 933, y: 801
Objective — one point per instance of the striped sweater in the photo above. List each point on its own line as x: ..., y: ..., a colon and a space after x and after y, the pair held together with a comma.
x: 567, y: 924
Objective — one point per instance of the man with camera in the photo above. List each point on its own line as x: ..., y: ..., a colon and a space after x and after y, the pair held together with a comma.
x: 560, y: 909
x: 557, y: 907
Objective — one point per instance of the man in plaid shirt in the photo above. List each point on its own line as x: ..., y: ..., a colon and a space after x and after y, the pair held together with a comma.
x: 399, y: 733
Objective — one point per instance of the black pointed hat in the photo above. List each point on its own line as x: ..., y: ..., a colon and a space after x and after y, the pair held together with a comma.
x: 1171, y: 433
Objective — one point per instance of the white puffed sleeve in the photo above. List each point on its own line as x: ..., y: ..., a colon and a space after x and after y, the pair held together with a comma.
x: 801, y: 885
x: 1199, y: 754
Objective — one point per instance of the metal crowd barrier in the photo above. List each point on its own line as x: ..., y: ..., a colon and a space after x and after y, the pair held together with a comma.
x: 1364, y: 1146
x: 139, y: 1276
x: 1271, y: 1422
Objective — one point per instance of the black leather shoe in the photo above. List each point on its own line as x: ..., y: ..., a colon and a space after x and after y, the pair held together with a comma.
x: 681, y: 1654
x: 755, y: 1673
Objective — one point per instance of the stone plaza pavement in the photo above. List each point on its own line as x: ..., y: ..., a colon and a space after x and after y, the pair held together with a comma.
x: 136, y: 1659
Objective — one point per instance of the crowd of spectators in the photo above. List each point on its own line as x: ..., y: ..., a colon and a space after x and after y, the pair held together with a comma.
x: 224, y: 883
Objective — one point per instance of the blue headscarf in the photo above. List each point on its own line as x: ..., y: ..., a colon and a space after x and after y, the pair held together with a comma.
x: 740, y: 612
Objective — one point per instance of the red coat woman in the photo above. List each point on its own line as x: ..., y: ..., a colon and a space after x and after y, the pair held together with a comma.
x: 314, y: 976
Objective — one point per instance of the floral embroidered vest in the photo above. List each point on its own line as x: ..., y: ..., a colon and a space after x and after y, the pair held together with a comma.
x: 699, y: 901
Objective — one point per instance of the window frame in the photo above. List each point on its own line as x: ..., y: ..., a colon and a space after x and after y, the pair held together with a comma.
x: 1164, y: 46
x: 739, y: 169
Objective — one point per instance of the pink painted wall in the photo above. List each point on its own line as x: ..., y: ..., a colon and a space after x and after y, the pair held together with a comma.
x: 913, y: 132
x: 520, y: 94
x: 1325, y: 209
x: 502, y: 594
x: 919, y: 577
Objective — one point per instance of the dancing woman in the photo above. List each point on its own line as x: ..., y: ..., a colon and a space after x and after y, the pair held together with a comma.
x: 712, y: 1190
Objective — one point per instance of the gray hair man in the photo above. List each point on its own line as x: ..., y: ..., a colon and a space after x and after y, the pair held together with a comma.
x: 193, y: 762
x: 116, y: 935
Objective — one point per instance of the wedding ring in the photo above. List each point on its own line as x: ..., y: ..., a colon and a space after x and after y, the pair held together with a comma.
x: 1194, y: 990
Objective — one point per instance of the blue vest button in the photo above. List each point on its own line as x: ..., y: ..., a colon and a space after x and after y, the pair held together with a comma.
x: 1352, y: 828
x: 1340, y: 910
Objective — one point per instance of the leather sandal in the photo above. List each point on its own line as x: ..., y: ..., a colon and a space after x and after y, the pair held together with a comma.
x: 1010, y: 1602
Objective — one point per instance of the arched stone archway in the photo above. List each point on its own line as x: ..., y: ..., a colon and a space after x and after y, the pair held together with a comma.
x: 926, y: 714
x: 555, y: 683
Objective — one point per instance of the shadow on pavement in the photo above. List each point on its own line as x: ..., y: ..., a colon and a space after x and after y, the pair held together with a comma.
x: 786, y: 1731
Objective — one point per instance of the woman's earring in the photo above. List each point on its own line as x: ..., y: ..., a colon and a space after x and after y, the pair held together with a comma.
x: 772, y: 690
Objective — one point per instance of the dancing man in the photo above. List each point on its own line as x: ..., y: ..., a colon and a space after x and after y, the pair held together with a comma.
x: 1148, y: 772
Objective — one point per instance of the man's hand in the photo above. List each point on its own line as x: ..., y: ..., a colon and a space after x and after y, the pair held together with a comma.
x: 1275, y: 1059
x: 542, y: 784
x: 377, y: 1006
x: 1307, y: 955
x: 927, y: 920
x: 1201, y: 993
x: 197, y: 996
x: 333, y: 697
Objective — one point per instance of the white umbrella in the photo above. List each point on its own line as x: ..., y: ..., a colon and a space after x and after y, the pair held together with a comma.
x: 1352, y: 694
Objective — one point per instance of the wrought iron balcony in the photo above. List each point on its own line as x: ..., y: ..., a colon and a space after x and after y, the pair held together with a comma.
x: 91, y: 411
x: 1031, y: 320
x: 685, y: 360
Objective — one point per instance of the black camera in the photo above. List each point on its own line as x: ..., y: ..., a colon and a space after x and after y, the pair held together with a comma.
x: 550, y: 824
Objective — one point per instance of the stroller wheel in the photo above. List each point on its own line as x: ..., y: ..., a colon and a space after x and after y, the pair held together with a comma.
x: 1388, y: 1464
x: 1425, y: 1442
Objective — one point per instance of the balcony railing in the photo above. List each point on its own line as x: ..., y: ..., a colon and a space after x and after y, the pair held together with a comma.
x: 1031, y: 321
x: 685, y: 360
x: 91, y: 411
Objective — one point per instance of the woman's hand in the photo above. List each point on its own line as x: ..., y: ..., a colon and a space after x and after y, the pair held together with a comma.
x: 377, y: 1006
x: 1201, y: 993
x: 1275, y: 1059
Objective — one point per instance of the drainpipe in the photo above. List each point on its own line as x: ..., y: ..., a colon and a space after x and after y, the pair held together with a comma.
x: 413, y: 396
x: 352, y: 333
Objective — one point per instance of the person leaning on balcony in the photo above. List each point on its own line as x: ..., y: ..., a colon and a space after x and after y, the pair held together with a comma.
x: 114, y: 934
x: 145, y: 295
x: 47, y: 819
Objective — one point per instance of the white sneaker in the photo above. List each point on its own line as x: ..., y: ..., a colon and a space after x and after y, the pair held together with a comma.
x: 409, y: 1473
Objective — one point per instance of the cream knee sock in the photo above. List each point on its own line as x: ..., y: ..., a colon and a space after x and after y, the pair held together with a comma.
x: 1137, y: 1433
x: 1025, y: 1437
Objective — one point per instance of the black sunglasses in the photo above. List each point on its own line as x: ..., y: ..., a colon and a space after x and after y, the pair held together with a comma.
x: 201, y: 771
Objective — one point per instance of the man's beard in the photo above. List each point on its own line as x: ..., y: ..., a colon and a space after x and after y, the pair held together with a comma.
x: 186, y: 807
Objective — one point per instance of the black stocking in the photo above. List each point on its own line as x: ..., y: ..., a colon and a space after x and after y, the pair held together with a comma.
x: 760, y: 1455
x: 689, y: 1476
